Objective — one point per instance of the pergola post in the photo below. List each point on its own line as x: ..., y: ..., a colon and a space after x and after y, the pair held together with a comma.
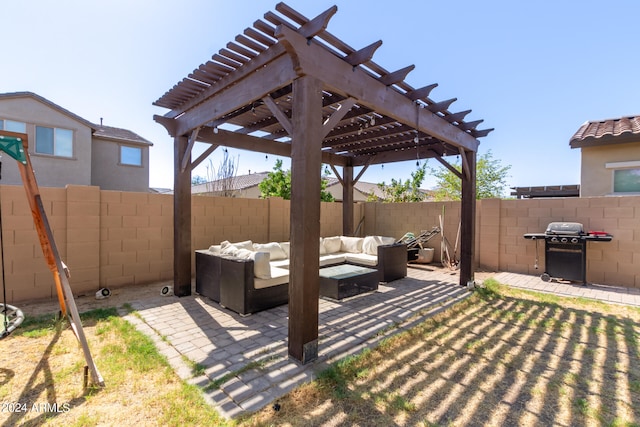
x: 468, y: 218
x: 181, y: 218
x: 347, y: 200
x: 306, y: 162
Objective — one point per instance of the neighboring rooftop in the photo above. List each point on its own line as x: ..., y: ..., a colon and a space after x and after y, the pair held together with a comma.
x: 99, y: 131
x: 609, y: 131
x: 243, y: 182
x: 239, y: 182
x: 546, y: 191
x: 118, y: 134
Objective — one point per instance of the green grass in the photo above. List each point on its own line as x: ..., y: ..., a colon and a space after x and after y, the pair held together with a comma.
x: 128, y: 360
x: 197, y: 369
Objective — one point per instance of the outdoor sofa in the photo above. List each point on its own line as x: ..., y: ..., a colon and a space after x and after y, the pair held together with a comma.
x: 247, y: 277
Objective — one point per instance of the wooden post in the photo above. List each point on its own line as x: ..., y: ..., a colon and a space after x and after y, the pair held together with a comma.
x: 347, y: 201
x: 306, y: 162
x: 468, y: 219
x: 181, y: 219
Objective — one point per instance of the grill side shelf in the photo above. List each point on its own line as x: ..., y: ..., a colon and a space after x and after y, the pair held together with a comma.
x: 534, y: 236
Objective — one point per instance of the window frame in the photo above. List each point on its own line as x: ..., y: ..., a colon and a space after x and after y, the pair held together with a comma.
x: 121, y: 157
x: 55, y: 142
x: 3, y: 126
x: 623, y: 166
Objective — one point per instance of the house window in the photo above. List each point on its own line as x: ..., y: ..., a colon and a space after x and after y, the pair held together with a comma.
x: 12, y: 126
x: 131, y: 156
x: 54, y: 141
x: 626, y: 176
x: 626, y: 180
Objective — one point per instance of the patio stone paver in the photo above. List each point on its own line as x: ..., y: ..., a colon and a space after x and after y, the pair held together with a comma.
x: 250, y: 353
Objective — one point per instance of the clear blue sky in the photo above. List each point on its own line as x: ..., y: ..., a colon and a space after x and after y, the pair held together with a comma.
x: 534, y: 71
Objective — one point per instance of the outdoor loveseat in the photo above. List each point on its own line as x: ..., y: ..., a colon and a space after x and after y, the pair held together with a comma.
x: 247, y: 277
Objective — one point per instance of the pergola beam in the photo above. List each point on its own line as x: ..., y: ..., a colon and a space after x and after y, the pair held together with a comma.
x: 397, y: 76
x: 369, y: 91
x: 337, y: 115
x: 318, y: 24
x: 253, y: 143
x: 192, y: 141
x: 203, y: 156
x: 363, y: 55
x: 278, y: 114
x: 238, y: 75
x: 258, y: 84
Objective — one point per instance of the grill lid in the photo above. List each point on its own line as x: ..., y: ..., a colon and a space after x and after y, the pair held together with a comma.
x: 565, y: 228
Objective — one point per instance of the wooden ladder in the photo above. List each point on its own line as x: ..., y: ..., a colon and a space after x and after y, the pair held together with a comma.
x: 16, y: 145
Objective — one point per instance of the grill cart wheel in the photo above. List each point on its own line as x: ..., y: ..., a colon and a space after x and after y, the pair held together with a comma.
x: 545, y: 277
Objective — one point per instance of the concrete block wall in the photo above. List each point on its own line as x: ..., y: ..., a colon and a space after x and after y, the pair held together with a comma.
x: 112, y: 238
x: 136, y: 238
x: 613, y: 263
x: 501, y: 225
x: 26, y: 273
x: 397, y: 219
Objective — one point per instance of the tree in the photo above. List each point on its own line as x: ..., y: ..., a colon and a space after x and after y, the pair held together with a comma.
x: 407, y: 191
x: 198, y: 179
x: 225, y: 176
x: 491, y: 178
x: 278, y: 184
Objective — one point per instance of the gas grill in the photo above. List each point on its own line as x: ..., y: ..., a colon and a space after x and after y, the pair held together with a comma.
x: 565, y: 250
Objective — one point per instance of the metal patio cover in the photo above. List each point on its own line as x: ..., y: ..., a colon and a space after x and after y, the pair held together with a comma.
x: 288, y: 87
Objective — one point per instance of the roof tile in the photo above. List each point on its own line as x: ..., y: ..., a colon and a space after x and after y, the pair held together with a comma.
x: 605, y: 131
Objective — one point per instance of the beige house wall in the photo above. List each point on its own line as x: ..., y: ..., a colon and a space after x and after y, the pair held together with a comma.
x: 109, y: 174
x: 114, y: 238
x: 596, y: 179
x: 51, y: 171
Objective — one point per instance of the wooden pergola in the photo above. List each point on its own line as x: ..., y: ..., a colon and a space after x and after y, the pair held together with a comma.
x: 291, y: 88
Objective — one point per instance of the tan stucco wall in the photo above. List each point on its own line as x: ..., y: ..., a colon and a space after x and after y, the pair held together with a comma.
x: 107, y: 172
x: 595, y: 178
x: 117, y: 238
x: 50, y: 171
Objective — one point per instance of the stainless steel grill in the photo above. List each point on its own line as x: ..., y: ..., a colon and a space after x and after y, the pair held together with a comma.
x: 566, y: 250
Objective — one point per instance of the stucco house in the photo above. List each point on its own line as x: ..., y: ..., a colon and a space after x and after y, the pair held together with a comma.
x: 67, y: 149
x: 610, y: 156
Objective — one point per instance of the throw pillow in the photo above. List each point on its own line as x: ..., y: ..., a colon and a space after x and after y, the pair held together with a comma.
x: 275, y: 250
x: 247, y: 244
x: 286, y: 247
x: 370, y: 243
x: 261, y: 266
x: 351, y: 244
x: 228, y: 249
x: 332, y: 244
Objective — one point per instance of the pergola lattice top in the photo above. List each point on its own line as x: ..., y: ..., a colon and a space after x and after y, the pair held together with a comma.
x: 365, y: 134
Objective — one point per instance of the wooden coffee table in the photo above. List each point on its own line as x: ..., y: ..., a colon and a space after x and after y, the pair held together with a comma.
x: 346, y: 280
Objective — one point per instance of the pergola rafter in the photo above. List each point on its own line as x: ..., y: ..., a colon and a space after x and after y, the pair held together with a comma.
x: 291, y: 88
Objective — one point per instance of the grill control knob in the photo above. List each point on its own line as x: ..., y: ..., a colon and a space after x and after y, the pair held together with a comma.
x: 554, y: 239
x: 574, y: 240
x: 564, y: 240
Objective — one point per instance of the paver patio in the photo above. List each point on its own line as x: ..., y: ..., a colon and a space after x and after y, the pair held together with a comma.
x: 248, y: 355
